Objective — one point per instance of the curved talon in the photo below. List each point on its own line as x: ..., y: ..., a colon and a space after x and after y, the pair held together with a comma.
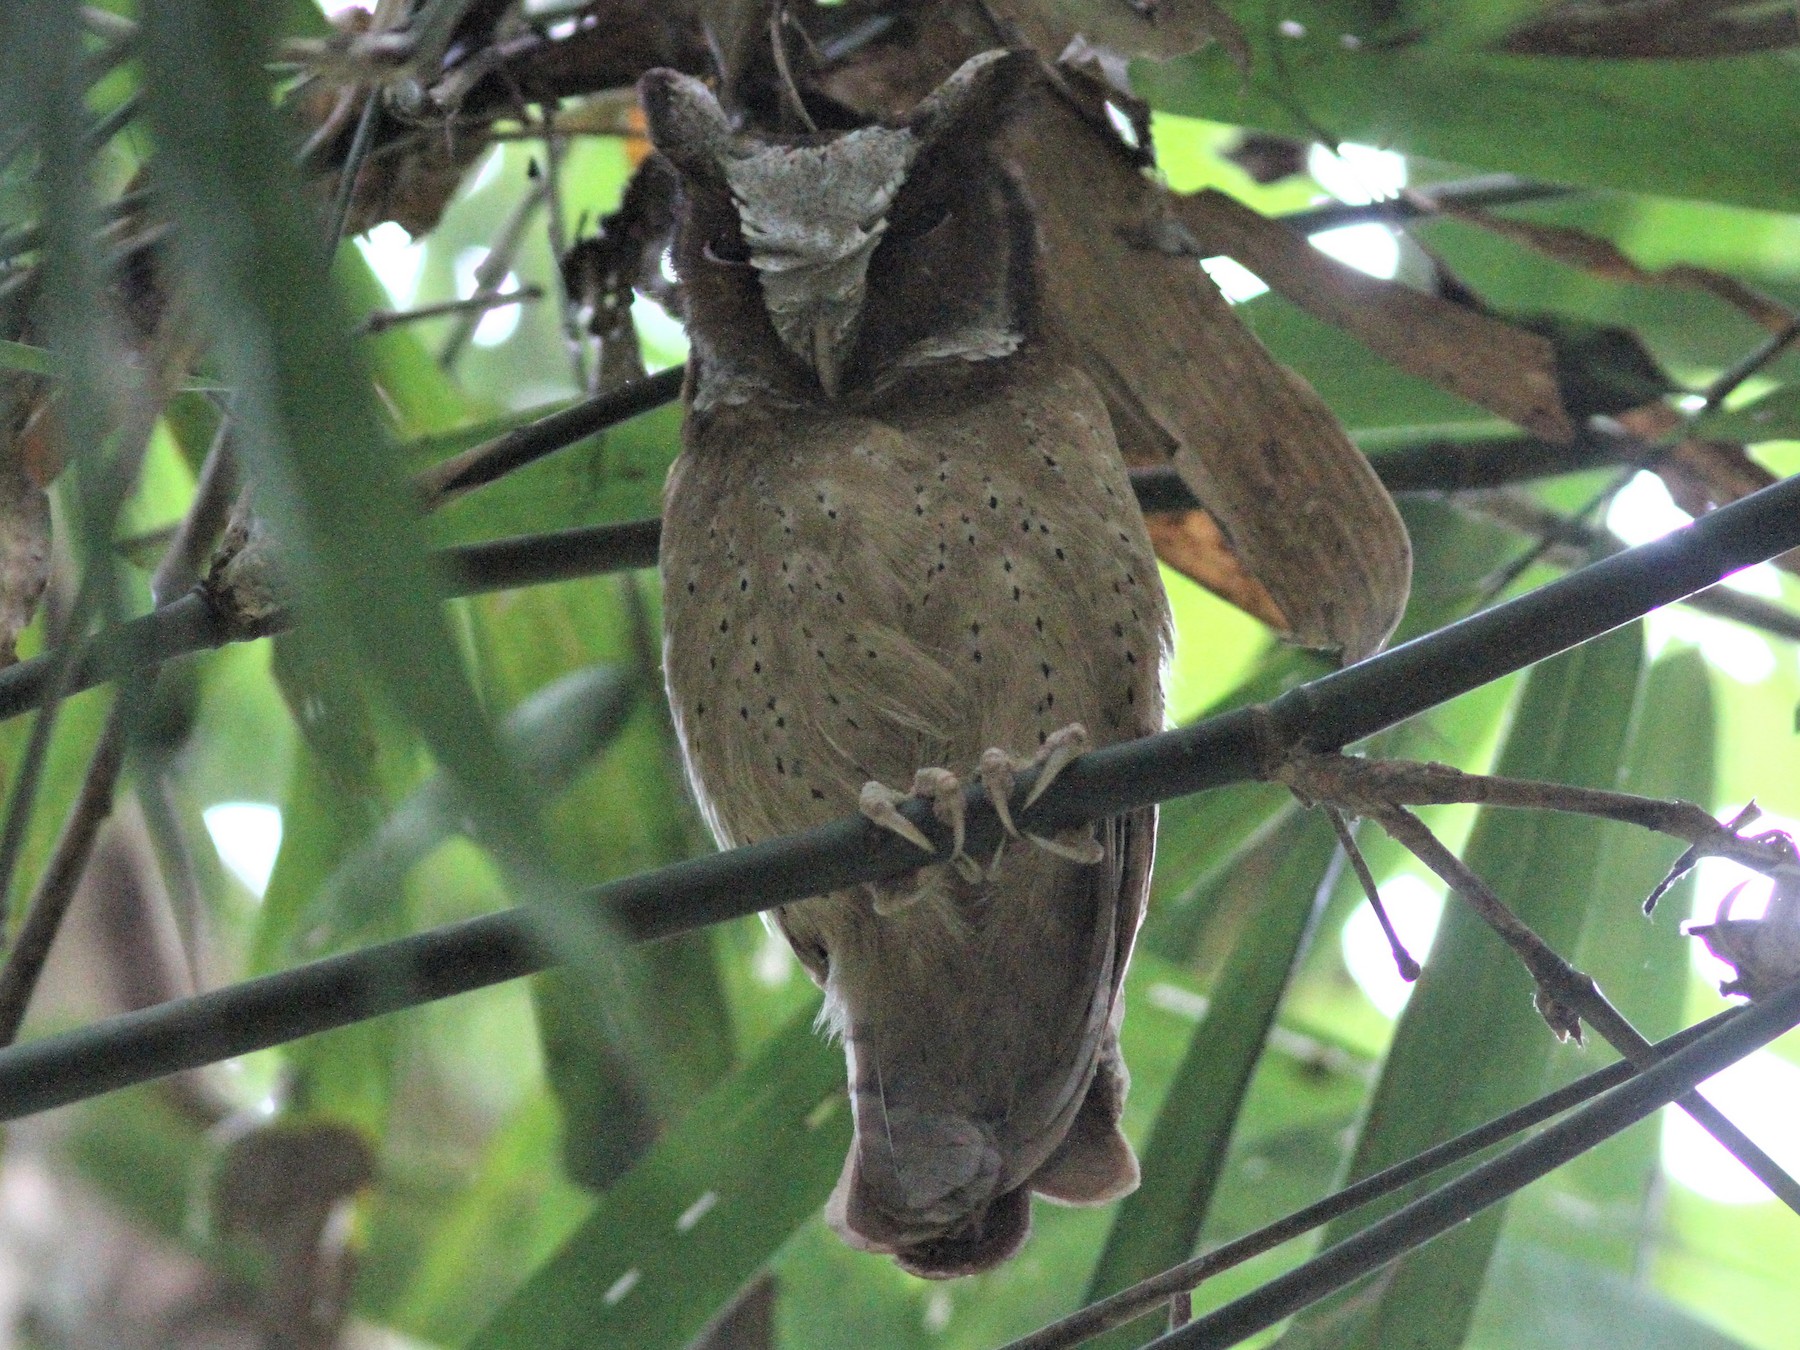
x: 1084, y: 849
x: 880, y: 805
x: 944, y: 790
x: 1053, y: 756
x: 996, y: 772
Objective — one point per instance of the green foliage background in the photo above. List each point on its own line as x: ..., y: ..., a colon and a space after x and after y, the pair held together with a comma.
x: 532, y: 1192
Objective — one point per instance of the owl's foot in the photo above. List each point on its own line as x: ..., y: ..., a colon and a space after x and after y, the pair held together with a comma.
x: 998, y: 772
x: 880, y: 804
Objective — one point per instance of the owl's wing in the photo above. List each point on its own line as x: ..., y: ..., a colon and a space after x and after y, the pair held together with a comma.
x: 1095, y: 1163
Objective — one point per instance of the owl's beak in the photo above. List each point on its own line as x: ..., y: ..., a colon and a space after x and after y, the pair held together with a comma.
x: 815, y: 300
x: 825, y: 362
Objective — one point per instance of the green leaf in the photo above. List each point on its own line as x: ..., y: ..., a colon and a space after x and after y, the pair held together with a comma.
x: 514, y: 1213
x: 1160, y: 1223
x: 671, y: 1243
x: 1773, y: 417
x: 1470, y: 1045
x: 1538, y: 1297
x: 307, y: 420
x: 29, y: 360
x: 1642, y: 964
x: 328, y: 480
x: 1701, y: 128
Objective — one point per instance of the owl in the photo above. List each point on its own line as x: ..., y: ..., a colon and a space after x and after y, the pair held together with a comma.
x: 900, y: 552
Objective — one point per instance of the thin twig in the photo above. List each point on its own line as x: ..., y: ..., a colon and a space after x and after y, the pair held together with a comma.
x: 1366, y: 786
x: 492, y: 271
x: 784, y: 76
x: 1246, y: 743
x: 1491, y: 1182
x: 524, y: 445
x: 1403, y: 959
x: 187, y: 625
x: 559, y: 249
x: 56, y: 887
x: 1523, y: 512
x: 380, y: 320
x: 1687, y: 861
x: 113, y: 122
x: 1133, y: 1302
x: 1729, y: 382
x: 1427, y: 203
x: 351, y: 170
x: 60, y: 682
x: 106, y: 482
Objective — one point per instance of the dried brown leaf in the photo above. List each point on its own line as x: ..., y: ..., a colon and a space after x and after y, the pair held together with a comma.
x: 1603, y: 258
x: 1667, y: 30
x: 1483, y: 359
x: 1187, y: 383
x: 1193, y: 544
x: 275, y: 1193
x: 1321, y: 552
x: 1702, y: 475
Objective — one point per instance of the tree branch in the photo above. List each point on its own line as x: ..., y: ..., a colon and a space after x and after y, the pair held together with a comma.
x: 1145, y: 1296
x: 1491, y: 1182
x: 1246, y: 743
x: 190, y: 625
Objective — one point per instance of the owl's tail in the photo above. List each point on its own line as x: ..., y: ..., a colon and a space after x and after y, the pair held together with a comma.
x: 925, y: 1187
x: 921, y: 1185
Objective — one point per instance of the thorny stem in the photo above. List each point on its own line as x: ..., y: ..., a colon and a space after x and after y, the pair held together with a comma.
x: 1566, y: 997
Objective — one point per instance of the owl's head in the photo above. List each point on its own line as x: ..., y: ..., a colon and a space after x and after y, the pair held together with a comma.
x: 822, y: 266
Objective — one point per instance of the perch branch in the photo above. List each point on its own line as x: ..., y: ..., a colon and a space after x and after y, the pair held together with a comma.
x: 188, y: 625
x: 1246, y: 743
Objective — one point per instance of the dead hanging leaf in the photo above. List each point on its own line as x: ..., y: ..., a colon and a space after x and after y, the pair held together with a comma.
x: 1125, y: 29
x: 1187, y: 383
x: 1193, y: 544
x: 1483, y: 359
x: 1602, y: 258
x: 24, y: 548
x: 1305, y: 535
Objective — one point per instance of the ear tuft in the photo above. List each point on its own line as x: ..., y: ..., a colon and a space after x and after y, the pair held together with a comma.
x: 686, y: 122
x: 980, y: 90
